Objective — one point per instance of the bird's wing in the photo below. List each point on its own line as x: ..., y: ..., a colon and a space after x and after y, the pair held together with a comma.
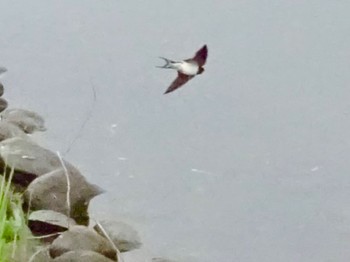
x: 201, y: 55
x: 178, y: 82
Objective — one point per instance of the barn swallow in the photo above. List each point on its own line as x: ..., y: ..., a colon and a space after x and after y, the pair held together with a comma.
x: 186, y: 69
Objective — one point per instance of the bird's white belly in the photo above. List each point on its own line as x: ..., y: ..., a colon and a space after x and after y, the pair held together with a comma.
x: 188, y: 68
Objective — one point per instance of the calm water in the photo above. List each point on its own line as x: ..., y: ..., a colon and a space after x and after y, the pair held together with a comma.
x: 248, y: 162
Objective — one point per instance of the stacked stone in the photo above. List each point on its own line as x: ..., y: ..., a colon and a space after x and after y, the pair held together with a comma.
x: 55, y: 195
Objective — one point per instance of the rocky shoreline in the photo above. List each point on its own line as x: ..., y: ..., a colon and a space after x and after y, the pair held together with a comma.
x: 56, y: 197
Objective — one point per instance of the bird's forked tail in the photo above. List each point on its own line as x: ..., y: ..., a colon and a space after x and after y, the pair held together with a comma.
x: 168, y: 63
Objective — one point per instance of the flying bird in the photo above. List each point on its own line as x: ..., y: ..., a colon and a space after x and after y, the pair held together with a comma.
x: 186, y: 69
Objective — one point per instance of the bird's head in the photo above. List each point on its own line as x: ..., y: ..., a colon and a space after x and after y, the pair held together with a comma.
x: 200, y: 70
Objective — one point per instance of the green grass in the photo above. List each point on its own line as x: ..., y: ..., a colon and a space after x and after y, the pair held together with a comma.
x: 14, y: 233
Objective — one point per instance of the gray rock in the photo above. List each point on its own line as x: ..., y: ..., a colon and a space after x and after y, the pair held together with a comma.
x: 28, y: 159
x: 28, y: 121
x: 82, y: 256
x: 3, y: 104
x: 48, y: 223
x: 1, y: 89
x: 82, y: 238
x: 123, y: 235
x: 161, y: 259
x: 42, y: 256
x: 9, y: 130
x: 51, y: 217
x: 50, y: 192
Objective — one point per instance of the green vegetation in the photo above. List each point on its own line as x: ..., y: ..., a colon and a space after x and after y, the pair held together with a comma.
x: 14, y: 233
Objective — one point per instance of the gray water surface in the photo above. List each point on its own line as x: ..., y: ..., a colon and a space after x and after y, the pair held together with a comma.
x: 247, y: 162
